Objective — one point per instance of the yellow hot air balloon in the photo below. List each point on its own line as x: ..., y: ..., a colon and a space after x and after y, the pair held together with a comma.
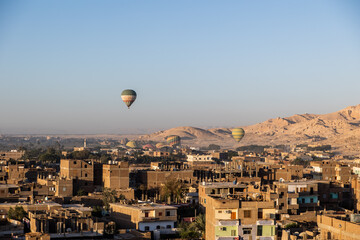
x: 160, y: 145
x: 238, y: 134
x: 131, y: 144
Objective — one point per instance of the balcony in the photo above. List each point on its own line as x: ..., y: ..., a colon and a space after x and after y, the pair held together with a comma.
x: 227, y: 238
x: 293, y: 195
x: 150, y: 218
x: 228, y: 223
x: 293, y: 206
x: 265, y: 222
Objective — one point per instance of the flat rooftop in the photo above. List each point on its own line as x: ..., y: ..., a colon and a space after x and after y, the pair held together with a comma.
x: 8, y: 186
x: 145, y: 206
x: 304, y: 182
x: 222, y: 185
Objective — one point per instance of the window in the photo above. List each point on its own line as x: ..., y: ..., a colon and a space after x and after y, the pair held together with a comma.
x: 157, y: 227
x: 74, y: 162
x: 168, y: 213
x: 160, y: 214
x: 260, y: 213
x: 85, y: 174
x: 233, y: 232
x: 303, y: 200
x: 219, y: 211
x: 147, y: 228
x: 247, y: 231
x: 64, y: 189
x: 85, y: 166
x: 168, y: 226
x: 146, y: 214
x: 311, y: 200
x: 259, y: 231
x: 247, y: 213
x: 223, y: 229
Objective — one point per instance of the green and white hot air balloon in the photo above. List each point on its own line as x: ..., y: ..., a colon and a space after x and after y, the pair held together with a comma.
x: 238, y: 134
x: 128, y: 96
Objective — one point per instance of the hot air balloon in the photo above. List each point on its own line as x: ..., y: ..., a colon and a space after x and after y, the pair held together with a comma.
x: 128, y: 96
x: 124, y: 141
x: 131, y: 144
x: 160, y: 145
x: 238, y: 134
x: 173, y: 140
x: 148, y: 146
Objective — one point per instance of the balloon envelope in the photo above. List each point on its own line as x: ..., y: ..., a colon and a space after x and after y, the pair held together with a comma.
x: 238, y: 134
x: 148, y: 146
x: 128, y: 96
x: 131, y: 144
x: 173, y: 140
x: 160, y: 145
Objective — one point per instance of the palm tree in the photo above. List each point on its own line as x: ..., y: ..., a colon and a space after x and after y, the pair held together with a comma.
x: 188, y: 231
x: 173, y: 189
x: 194, y: 230
x: 108, y: 196
x: 200, y: 224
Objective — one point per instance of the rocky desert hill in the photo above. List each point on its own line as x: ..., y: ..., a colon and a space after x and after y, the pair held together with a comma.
x: 341, y: 129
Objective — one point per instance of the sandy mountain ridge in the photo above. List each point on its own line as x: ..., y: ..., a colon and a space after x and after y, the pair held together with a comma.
x: 340, y: 129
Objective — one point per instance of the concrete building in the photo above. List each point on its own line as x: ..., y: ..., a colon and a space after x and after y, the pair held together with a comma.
x: 334, y: 226
x: 308, y: 198
x: 116, y: 176
x: 44, y: 206
x: 355, y: 190
x: 236, y: 211
x: 144, y: 217
x: 71, y: 221
x: 332, y: 171
x: 13, y: 154
x: 9, y: 190
x: 16, y: 173
x: 200, y: 160
x: 155, y: 179
x: 81, y: 171
x: 286, y: 201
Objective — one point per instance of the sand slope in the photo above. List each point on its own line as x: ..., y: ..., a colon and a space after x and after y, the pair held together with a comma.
x: 340, y: 129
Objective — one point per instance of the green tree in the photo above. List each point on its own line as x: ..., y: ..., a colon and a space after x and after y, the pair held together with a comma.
x: 50, y: 156
x: 173, y: 189
x: 82, y: 155
x: 104, y: 159
x: 299, y: 161
x: 200, y: 224
x: 81, y: 192
x: 97, y: 211
x: 32, y: 154
x: 188, y: 231
x: 17, y: 214
x: 108, y: 196
x: 194, y: 230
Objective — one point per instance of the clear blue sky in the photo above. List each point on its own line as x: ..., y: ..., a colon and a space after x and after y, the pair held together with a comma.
x: 63, y: 64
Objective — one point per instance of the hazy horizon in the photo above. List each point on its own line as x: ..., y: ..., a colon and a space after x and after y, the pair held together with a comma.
x: 63, y: 64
